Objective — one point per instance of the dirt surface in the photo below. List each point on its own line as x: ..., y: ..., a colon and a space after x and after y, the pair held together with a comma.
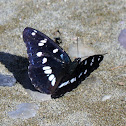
x: 98, y: 24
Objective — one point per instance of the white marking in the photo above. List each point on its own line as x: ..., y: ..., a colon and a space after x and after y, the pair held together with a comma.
x: 53, y: 82
x: 30, y: 78
x: 64, y: 84
x: 61, y: 56
x: 40, y: 44
x: 43, y: 41
x: 49, y: 71
x: 85, y: 71
x: 51, y: 77
x: 73, y: 79
x: 44, y: 60
x: 33, y: 33
x: 92, y: 59
x: 85, y: 62
x: 39, y: 54
x: 91, y: 63
x: 55, y: 50
x: 46, y: 67
x: 80, y: 75
x: 99, y: 59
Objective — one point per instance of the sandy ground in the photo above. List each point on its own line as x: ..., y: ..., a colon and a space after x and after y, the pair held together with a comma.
x: 98, y: 23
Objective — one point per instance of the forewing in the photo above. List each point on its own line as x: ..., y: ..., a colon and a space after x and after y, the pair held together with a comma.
x: 82, y: 71
x: 39, y: 44
x: 46, y: 78
x: 87, y: 66
x: 47, y: 60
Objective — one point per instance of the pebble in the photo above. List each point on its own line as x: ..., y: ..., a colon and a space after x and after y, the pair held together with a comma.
x: 122, y: 38
x: 7, y: 80
x: 106, y: 97
x: 24, y: 111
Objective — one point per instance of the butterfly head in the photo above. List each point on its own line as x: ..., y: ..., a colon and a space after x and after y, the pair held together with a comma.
x: 74, y: 64
x: 77, y: 60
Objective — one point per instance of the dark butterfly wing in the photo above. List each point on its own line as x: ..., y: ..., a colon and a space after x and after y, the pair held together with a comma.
x: 83, y: 70
x: 38, y: 43
x: 48, y: 61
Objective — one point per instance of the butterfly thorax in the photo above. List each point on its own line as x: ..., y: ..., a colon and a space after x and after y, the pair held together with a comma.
x: 73, y: 65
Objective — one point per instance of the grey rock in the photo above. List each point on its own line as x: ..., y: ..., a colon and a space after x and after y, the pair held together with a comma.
x: 7, y: 80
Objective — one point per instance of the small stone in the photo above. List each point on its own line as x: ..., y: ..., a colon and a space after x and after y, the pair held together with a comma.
x: 121, y: 83
x: 106, y: 97
x: 24, y: 111
x: 7, y: 80
x: 122, y: 38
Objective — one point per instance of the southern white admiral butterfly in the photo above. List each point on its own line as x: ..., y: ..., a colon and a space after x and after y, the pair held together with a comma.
x: 50, y: 69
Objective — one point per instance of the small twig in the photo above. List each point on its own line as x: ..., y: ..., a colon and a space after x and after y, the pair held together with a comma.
x: 117, y: 67
x: 77, y: 47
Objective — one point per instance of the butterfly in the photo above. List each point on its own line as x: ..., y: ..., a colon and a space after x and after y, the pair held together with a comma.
x: 50, y: 69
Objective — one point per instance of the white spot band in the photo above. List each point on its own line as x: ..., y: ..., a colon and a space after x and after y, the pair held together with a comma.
x: 55, y: 50
x: 64, y: 84
x: 44, y: 60
x: 39, y: 54
x: 73, y: 79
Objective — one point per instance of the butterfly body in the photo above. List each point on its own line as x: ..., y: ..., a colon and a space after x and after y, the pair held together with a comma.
x: 50, y: 69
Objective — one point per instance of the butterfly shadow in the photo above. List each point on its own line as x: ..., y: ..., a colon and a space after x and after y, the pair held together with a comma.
x: 18, y: 66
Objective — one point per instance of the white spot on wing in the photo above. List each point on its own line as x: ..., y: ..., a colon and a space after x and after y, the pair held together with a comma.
x: 73, y: 79
x: 85, y: 62
x: 64, y: 84
x: 61, y: 56
x: 55, y: 50
x: 53, y: 82
x: 39, y: 54
x: 44, y: 60
x: 49, y: 71
x: 42, y: 42
x: 85, y: 71
x: 33, y: 33
x: 92, y: 59
x: 91, y: 63
x: 80, y: 75
x: 30, y: 78
x: 46, y: 67
x: 99, y: 59
x: 51, y: 77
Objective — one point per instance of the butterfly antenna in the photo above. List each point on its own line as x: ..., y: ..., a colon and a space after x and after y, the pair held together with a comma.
x: 77, y: 47
x: 104, y: 53
x: 96, y: 54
